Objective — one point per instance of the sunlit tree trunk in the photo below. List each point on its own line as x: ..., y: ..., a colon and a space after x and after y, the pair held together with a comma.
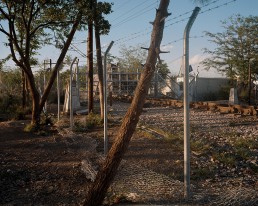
x: 99, y: 63
x: 108, y: 171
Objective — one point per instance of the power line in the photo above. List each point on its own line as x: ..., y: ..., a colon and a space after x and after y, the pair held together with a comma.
x: 148, y: 30
x: 135, y: 15
x: 130, y: 10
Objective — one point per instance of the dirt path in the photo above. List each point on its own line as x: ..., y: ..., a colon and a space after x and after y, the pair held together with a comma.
x: 38, y: 170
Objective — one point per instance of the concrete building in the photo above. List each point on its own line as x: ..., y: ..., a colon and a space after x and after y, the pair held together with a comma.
x: 204, y: 88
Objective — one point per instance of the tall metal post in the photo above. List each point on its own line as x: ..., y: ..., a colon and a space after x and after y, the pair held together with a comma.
x: 186, y: 105
x: 58, y: 93
x: 78, y: 78
x: 71, y: 94
x: 105, y: 97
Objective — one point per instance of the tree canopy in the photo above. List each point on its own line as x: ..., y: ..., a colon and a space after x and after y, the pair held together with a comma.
x: 31, y: 24
x: 237, y: 48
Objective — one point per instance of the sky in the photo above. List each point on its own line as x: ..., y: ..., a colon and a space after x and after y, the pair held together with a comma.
x: 130, y: 26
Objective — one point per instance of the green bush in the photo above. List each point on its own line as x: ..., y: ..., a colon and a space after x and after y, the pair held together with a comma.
x: 93, y: 120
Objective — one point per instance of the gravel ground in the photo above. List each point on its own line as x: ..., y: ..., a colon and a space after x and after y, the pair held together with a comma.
x: 223, y: 157
x: 51, y: 168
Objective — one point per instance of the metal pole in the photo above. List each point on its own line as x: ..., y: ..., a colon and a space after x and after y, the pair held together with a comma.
x: 249, y: 83
x: 58, y: 94
x: 71, y: 93
x: 105, y: 98
x: 250, y: 80
x: 186, y: 105
x: 78, y: 78
x: 44, y: 84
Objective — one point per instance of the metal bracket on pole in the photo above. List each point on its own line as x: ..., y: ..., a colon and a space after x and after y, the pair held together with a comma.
x: 186, y: 104
x: 70, y: 94
x: 105, y: 98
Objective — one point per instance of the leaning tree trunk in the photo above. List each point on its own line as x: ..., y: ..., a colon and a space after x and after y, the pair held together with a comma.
x: 99, y: 60
x: 59, y: 61
x: 100, y: 71
x: 98, y: 189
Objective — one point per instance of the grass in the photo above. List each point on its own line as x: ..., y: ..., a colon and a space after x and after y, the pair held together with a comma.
x: 200, y: 145
x: 90, y: 122
x: 228, y: 159
x: 202, y: 173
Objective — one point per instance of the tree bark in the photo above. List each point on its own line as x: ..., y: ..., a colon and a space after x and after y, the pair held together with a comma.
x: 24, y: 100
x: 35, y: 120
x: 98, y: 189
x: 99, y: 63
x: 90, y: 64
x: 59, y: 62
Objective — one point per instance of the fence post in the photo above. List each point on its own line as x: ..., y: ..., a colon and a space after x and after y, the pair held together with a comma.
x: 105, y: 98
x: 186, y: 105
x: 71, y: 93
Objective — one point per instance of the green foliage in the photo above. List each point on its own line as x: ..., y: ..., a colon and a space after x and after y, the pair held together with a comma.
x: 236, y: 48
x: 163, y: 69
x: 30, y: 25
x: 132, y: 58
x: 93, y: 120
x: 10, y: 82
x: 9, y: 104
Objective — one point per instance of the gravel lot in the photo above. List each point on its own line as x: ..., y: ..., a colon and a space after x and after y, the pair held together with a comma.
x: 49, y: 168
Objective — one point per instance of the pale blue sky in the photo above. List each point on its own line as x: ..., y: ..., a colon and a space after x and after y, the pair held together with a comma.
x: 130, y: 27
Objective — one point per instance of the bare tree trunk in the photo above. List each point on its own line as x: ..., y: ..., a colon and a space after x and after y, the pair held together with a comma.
x: 100, y: 72
x: 98, y: 189
x: 99, y: 63
x: 59, y: 62
x: 35, y: 120
x: 90, y: 64
x: 24, y: 100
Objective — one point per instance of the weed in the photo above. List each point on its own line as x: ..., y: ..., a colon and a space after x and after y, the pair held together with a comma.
x: 202, y: 173
x: 200, y: 145
x: 176, y: 140
x: 228, y: 159
x: 243, y: 147
x: 90, y: 122
x: 31, y: 128
x: 93, y: 120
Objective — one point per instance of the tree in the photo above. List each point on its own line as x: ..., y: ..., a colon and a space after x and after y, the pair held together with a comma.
x: 237, y: 48
x: 31, y: 25
x: 97, y: 191
x: 131, y: 57
x: 27, y: 30
x: 163, y: 69
x: 90, y: 58
x: 102, y: 27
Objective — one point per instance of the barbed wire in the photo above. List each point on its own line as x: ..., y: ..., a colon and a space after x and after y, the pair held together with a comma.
x: 139, y: 34
x: 148, y: 30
